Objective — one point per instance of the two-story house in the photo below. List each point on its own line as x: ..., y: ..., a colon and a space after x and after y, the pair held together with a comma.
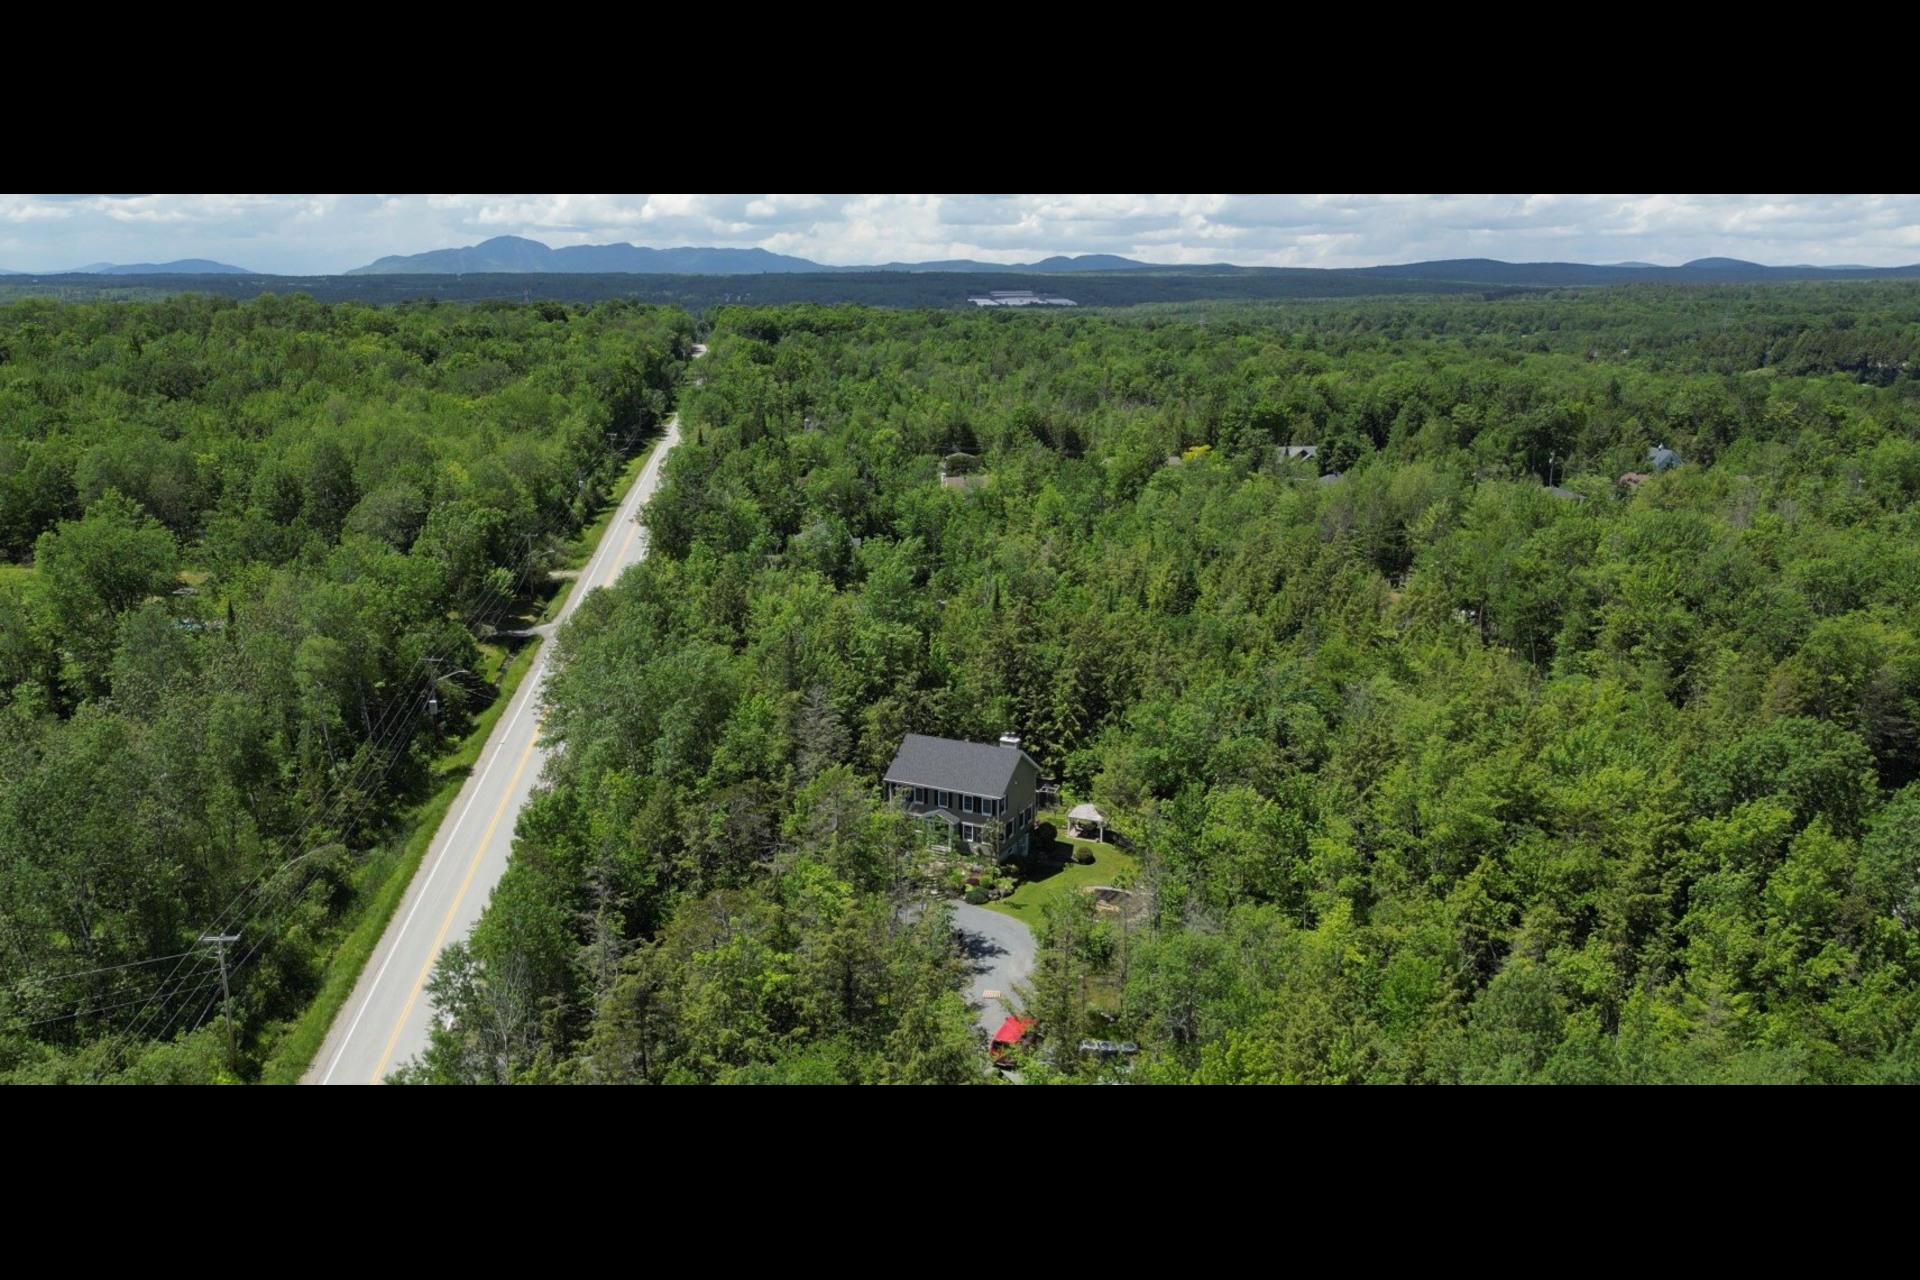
x: 974, y: 796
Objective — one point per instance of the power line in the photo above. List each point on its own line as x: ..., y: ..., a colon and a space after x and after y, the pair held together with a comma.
x: 379, y: 751
x: 105, y: 1008
x: 497, y: 600
x: 290, y: 899
x: 394, y: 728
x: 88, y: 973
x: 391, y: 736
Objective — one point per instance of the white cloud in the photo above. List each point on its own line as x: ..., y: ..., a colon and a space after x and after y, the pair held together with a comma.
x: 299, y: 234
x: 31, y: 208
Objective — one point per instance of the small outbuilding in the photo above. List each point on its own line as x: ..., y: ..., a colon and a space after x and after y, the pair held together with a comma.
x: 1084, y: 817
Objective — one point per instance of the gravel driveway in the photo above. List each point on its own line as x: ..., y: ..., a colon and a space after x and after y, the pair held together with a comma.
x: 1000, y: 950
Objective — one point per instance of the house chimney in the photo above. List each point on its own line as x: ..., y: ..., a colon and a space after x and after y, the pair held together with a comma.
x: 1010, y: 740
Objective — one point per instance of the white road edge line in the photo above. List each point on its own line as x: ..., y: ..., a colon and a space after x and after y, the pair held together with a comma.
x: 438, y: 862
x: 627, y: 508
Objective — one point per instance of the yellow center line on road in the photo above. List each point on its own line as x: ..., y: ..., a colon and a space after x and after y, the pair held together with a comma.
x: 633, y: 528
x: 433, y: 954
x: 631, y: 534
x: 419, y: 983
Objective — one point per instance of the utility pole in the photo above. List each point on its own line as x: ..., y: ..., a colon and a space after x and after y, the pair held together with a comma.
x: 433, y: 685
x: 223, y: 941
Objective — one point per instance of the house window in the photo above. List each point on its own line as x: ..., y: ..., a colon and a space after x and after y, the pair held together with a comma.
x: 919, y: 795
x: 966, y: 804
x: 969, y: 832
x: 946, y: 799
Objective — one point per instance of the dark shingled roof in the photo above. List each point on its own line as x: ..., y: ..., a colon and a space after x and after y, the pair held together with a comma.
x: 975, y: 768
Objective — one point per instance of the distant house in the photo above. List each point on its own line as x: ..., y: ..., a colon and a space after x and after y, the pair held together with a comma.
x: 1332, y: 477
x: 1661, y: 458
x: 1298, y: 450
x: 976, y: 797
x: 1634, y: 479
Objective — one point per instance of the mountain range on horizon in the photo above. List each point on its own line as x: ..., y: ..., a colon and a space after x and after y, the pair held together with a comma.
x: 517, y: 255
x: 178, y: 267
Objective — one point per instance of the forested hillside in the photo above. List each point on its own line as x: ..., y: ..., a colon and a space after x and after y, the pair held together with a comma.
x: 248, y: 557
x: 1436, y: 773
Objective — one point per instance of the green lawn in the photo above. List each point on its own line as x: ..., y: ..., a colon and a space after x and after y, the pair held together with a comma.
x: 1028, y: 903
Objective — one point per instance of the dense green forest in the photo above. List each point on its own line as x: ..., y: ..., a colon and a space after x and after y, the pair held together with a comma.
x: 1436, y: 773
x: 249, y: 557
x: 948, y: 290
x: 933, y: 289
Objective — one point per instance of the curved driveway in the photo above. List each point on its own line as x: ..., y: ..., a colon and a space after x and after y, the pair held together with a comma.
x: 1000, y: 951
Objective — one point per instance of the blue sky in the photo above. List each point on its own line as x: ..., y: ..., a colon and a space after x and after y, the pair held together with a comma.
x: 318, y: 234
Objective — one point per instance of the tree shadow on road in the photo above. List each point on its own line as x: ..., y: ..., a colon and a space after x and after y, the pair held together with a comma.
x: 978, y: 949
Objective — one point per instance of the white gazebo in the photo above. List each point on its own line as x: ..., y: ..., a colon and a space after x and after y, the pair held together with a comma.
x: 1084, y: 816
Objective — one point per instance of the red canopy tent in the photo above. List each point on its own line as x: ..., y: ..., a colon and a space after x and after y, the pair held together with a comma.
x: 1012, y: 1032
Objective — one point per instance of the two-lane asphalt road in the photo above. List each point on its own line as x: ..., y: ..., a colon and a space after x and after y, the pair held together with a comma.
x: 385, y: 1022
